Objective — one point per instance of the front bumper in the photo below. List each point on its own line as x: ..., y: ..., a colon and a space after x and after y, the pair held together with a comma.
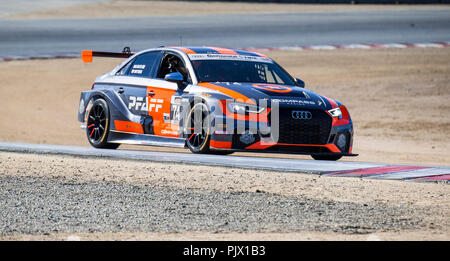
x: 314, y: 138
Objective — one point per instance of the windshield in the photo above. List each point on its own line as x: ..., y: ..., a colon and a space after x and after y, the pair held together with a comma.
x: 240, y: 71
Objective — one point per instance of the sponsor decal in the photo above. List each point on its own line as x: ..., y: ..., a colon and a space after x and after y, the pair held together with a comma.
x: 138, y: 104
x: 138, y: 69
x: 293, y: 101
x: 171, y: 132
x: 166, y: 117
x: 272, y: 87
x: 230, y: 57
x: 139, y: 66
x: 135, y: 71
x: 128, y: 126
x: 155, y: 104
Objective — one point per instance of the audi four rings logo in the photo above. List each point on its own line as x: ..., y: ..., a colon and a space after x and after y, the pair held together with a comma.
x: 301, y: 115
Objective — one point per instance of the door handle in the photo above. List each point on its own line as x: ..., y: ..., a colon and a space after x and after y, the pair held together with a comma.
x: 150, y: 93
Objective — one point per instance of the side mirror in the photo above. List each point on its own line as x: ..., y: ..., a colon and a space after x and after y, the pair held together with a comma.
x: 300, y: 82
x: 175, y: 77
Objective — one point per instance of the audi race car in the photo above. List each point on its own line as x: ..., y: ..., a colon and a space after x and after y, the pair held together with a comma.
x: 211, y: 100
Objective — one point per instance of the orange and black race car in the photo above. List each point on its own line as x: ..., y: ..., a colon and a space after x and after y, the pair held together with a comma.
x: 211, y: 100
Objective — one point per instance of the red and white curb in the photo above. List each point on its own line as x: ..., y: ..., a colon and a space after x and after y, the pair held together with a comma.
x: 260, y: 49
x: 351, y: 46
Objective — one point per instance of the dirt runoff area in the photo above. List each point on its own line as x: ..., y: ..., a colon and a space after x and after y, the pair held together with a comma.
x: 397, y: 98
x: 48, y: 197
x: 130, y: 8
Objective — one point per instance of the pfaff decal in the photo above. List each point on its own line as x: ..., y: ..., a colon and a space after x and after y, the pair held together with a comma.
x: 155, y: 105
x: 138, y: 104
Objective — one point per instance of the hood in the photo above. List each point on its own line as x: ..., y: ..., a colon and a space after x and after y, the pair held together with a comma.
x: 286, y: 95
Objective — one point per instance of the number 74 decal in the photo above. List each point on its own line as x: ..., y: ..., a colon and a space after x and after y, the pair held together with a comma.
x: 137, y: 103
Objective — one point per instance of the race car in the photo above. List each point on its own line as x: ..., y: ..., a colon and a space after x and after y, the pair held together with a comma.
x: 211, y: 100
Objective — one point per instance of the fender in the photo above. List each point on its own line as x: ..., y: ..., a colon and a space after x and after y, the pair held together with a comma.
x: 117, y: 108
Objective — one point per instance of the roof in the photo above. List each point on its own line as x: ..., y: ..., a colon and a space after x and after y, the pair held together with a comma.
x: 216, y: 50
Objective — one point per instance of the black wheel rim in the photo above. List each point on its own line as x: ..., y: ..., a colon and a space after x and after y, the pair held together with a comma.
x: 96, y: 124
x: 197, y: 131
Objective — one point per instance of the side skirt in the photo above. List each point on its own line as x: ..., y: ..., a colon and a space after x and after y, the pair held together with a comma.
x: 144, y: 139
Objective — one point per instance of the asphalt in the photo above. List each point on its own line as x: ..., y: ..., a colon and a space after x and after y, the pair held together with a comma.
x: 334, y: 168
x: 262, y: 163
x: 49, y: 36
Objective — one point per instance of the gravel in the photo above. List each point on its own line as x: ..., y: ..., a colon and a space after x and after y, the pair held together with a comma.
x: 40, y: 205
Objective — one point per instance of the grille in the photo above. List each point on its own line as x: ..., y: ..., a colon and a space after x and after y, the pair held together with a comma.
x: 313, y: 131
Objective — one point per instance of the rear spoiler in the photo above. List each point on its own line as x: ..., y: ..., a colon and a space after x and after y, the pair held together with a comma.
x: 86, y: 55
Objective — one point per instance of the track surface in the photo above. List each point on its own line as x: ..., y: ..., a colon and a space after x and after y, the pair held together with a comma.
x: 340, y: 168
x: 48, y: 36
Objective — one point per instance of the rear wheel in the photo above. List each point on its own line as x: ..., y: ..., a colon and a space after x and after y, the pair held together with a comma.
x: 97, y: 125
x: 326, y: 157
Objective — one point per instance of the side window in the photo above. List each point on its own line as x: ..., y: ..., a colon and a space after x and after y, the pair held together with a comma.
x: 144, y: 65
x: 172, y: 63
x: 124, y: 70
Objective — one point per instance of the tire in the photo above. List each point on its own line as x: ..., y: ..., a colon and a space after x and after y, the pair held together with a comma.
x: 97, y: 126
x: 198, y: 142
x: 326, y: 157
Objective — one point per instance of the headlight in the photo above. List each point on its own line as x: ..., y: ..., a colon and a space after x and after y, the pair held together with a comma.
x: 336, y: 113
x: 244, y: 108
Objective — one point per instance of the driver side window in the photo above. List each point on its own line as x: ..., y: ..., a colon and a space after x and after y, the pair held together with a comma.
x: 172, y: 63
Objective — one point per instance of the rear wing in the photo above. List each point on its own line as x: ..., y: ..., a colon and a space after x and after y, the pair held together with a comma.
x: 86, y: 55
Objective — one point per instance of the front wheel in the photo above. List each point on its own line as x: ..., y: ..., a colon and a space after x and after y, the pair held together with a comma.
x: 97, y: 125
x: 326, y: 157
x: 197, y: 129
